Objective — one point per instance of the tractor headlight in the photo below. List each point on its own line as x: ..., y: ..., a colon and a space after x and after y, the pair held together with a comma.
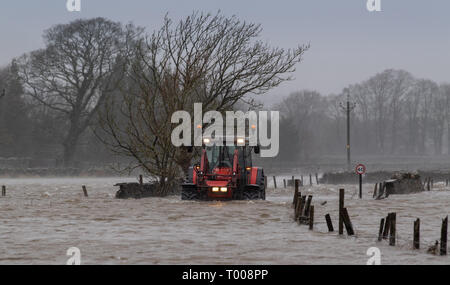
x: 206, y: 140
x: 223, y: 189
x: 240, y: 141
x: 215, y: 189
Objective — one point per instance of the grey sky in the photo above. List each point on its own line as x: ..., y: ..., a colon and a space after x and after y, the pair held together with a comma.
x: 348, y: 44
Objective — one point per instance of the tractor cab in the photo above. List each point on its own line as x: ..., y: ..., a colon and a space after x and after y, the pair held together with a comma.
x: 225, y: 171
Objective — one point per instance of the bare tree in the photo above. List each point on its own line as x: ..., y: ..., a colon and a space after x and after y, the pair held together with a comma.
x: 336, y: 114
x: 411, y: 110
x: 73, y: 74
x: 401, y: 82
x: 363, y: 112
x: 301, y: 112
x: 381, y: 99
x: 377, y: 87
x: 427, y: 90
x: 445, y: 89
x: 439, y: 117
x: 209, y: 59
x: 14, y: 116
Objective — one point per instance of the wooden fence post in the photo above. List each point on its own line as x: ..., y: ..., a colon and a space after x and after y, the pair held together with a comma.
x: 293, y: 180
x: 392, y: 229
x: 380, y: 232
x: 141, y: 180
x: 347, y: 222
x: 308, y: 205
x: 302, y: 180
x: 311, y: 218
x: 295, y: 192
x: 274, y: 182
x: 341, y: 206
x: 329, y: 223
x: 301, y: 209
x: 84, y: 191
x: 375, y: 191
x: 416, y: 242
x: 3, y: 190
x: 284, y: 181
x: 387, y: 225
x: 317, y: 179
x: 310, y: 179
x: 265, y: 182
x: 298, y: 207
x: 444, y: 229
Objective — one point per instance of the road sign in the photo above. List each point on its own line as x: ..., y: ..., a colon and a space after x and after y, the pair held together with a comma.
x: 360, y: 169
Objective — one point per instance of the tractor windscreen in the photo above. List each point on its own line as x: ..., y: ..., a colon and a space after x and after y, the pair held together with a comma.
x: 220, y: 156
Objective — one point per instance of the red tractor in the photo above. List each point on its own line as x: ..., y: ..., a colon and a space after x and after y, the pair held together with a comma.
x: 225, y: 172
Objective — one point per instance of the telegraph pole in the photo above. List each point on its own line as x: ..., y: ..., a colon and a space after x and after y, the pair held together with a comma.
x: 349, y: 106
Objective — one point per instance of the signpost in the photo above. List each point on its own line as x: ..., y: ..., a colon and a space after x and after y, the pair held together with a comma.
x: 360, y: 169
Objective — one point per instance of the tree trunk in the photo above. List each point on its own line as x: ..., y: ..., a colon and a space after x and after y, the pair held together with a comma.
x: 422, y: 138
x: 438, y: 140
x: 184, y: 161
x: 70, y: 145
x: 163, y: 186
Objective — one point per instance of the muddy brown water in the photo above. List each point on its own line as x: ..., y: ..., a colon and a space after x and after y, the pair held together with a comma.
x: 41, y: 218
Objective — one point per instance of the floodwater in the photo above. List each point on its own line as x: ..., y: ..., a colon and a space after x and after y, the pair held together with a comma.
x: 41, y: 218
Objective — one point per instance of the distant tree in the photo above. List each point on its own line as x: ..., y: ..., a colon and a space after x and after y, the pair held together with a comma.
x: 14, y: 120
x: 401, y: 82
x: 336, y: 114
x: 381, y: 100
x: 428, y: 90
x: 412, y: 113
x: 79, y: 66
x: 301, y: 115
x: 377, y: 88
x: 445, y: 91
x: 364, y: 115
x: 438, y: 120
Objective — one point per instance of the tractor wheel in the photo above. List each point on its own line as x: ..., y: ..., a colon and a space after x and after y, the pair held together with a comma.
x: 262, y: 189
x: 189, y: 193
x: 254, y: 194
x: 263, y: 192
x: 251, y: 195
